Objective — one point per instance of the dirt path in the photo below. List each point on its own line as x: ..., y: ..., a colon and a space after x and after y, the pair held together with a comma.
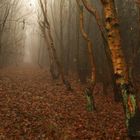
x: 33, y: 107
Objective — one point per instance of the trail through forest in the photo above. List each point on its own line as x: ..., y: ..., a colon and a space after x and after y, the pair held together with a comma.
x: 34, y: 107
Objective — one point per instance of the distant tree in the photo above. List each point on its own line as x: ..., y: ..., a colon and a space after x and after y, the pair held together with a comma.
x: 62, y: 2
x: 6, y: 11
x: 46, y: 29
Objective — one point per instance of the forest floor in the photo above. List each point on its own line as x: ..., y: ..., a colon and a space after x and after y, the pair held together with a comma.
x: 34, y: 107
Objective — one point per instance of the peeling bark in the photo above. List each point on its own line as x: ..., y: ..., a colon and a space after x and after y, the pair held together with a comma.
x: 128, y: 93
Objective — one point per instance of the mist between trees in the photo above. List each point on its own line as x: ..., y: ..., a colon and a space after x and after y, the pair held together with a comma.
x: 95, y: 40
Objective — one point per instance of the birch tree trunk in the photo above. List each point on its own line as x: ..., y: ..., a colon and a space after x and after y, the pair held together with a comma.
x: 128, y: 93
x: 91, y: 9
x: 61, y: 32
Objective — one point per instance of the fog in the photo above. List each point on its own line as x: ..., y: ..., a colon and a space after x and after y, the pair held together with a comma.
x: 27, y: 42
x: 86, y: 49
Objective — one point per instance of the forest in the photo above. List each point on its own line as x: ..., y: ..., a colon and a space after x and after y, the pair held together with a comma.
x: 69, y: 69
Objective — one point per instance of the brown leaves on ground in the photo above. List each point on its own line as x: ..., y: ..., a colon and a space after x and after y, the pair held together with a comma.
x: 34, y: 107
